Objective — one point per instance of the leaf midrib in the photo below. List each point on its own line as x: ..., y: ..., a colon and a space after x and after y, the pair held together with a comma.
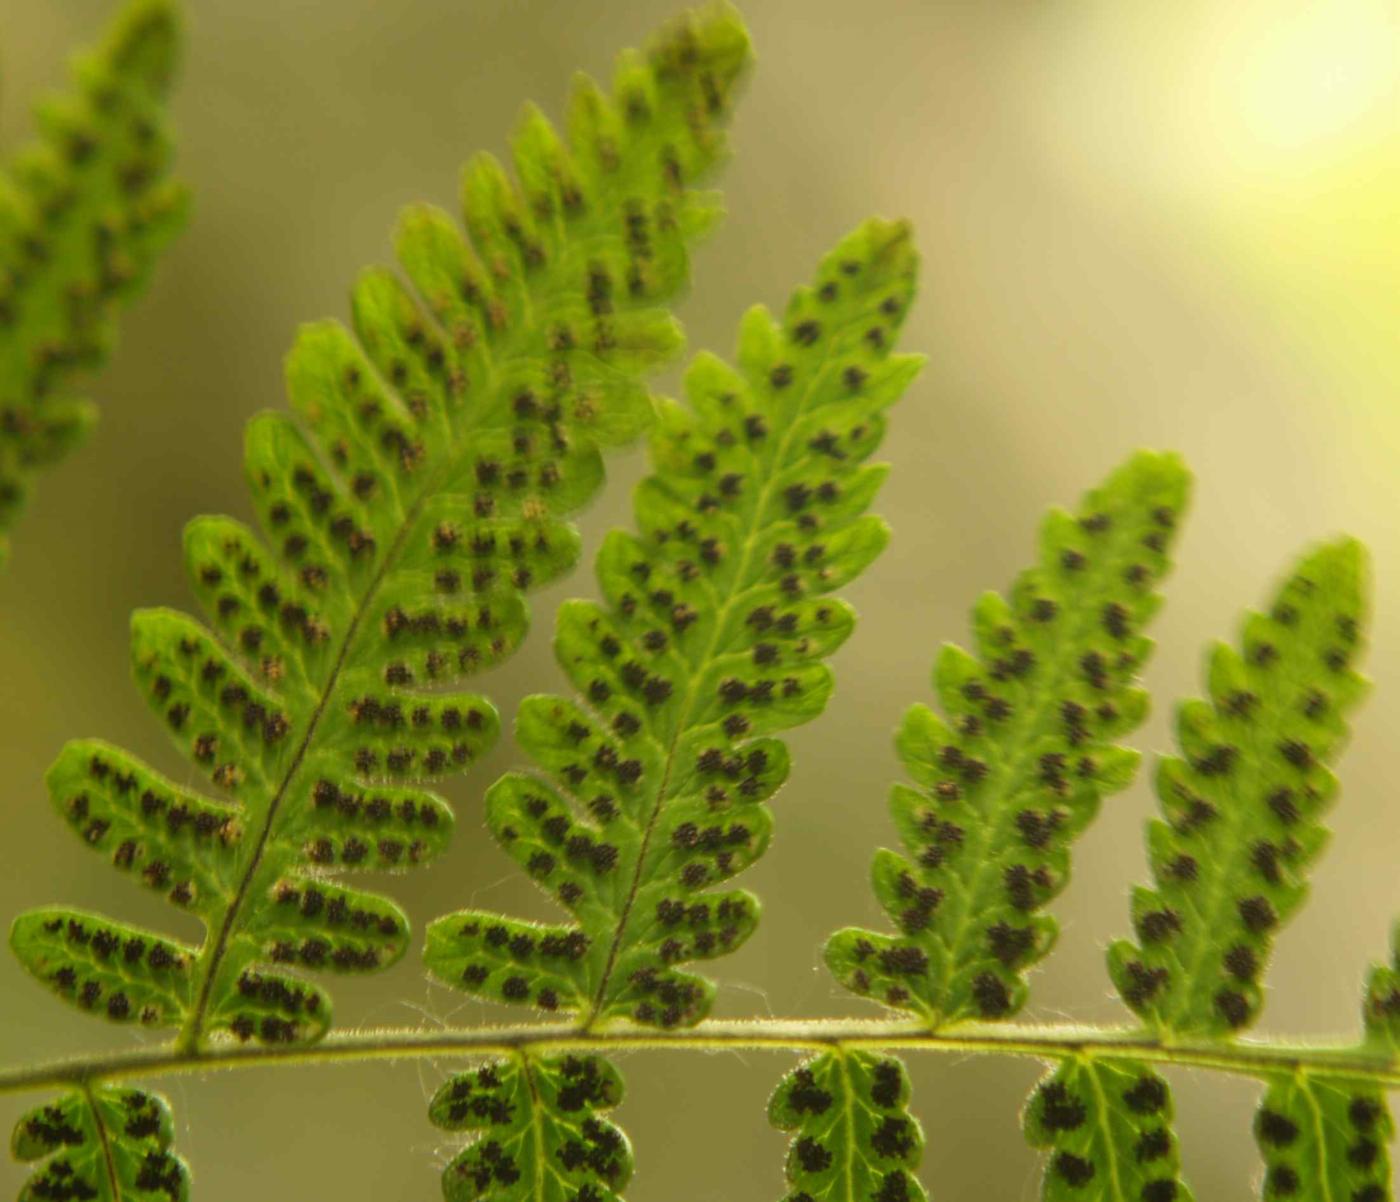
x: 541, y: 1158
x: 1110, y: 1145
x: 104, y: 1143
x: 1319, y: 1135
x: 848, y: 1112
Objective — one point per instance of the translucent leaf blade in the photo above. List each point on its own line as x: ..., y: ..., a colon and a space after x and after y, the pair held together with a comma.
x: 539, y: 1131
x: 108, y: 1144
x: 168, y: 838
x: 1324, y: 1139
x: 1020, y: 759
x: 854, y: 1139
x: 717, y: 615
x: 420, y: 486
x: 85, y: 210
x: 1243, y: 804
x: 1106, y: 1127
x: 123, y: 972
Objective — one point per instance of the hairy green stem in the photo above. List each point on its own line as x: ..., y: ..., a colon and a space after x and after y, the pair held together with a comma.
x: 1044, y: 1042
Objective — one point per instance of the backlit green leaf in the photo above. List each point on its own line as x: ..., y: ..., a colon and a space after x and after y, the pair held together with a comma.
x: 1326, y: 1138
x: 1107, y: 1128
x: 84, y: 211
x: 854, y: 1140
x: 131, y: 974
x: 1015, y: 768
x: 652, y: 782
x: 420, y: 486
x: 107, y: 1144
x: 538, y: 1134
x: 1323, y: 1140
x: 1243, y: 803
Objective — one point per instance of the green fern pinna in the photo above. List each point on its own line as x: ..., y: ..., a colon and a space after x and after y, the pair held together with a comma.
x: 422, y: 485
x: 84, y: 211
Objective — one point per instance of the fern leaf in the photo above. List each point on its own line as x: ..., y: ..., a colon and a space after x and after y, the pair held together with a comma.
x: 1017, y: 767
x: 1323, y: 1137
x: 420, y: 490
x: 1324, y: 1140
x: 854, y: 1140
x: 1107, y: 1127
x: 716, y: 624
x: 1244, y: 802
x: 134, y: 974
x: 84, y: 211
x: 106, y: 1144
x: 1381, y: 1008
x: 538, y: 1134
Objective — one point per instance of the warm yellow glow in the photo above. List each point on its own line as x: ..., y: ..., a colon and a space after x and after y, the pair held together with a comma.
x: 1268, y: 128
x: 1291, y: 80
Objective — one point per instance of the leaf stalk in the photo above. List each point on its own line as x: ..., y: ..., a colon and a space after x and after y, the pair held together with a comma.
x: 1356, y: 1062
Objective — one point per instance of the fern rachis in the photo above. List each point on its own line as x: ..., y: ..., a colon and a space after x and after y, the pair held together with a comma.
x: 1103, y: 1114
x: 423, y: 489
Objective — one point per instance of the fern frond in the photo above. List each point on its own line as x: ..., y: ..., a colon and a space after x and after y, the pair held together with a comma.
x: 854, y: 1140
x: 1107, y: 1127
x: 716, y: 624
x: 1017, y: 767
x: 538, y: 1137
x: 1324, y: 1137
x: 1244, y: 802
x: 420, y: 490
x: 84, y: 211
x: 104, y: 1144
x: 1381, y: 1008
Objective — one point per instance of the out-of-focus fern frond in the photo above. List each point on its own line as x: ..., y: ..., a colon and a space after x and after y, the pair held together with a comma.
x: 84, y: 211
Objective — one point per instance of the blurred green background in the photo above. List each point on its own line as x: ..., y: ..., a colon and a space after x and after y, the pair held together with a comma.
x: 1166, y: 225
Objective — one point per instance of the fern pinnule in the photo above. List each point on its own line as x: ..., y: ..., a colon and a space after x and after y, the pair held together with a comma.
x: 716, y: 624
x: 84, y: 211
x: 1016, y: 769
x: 101, y: 1144
x: 537, y: 1132
x: 131, y: 973
x: 854, y: 1139
x: 1107, y: 1129
x: 1324, y: 1137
